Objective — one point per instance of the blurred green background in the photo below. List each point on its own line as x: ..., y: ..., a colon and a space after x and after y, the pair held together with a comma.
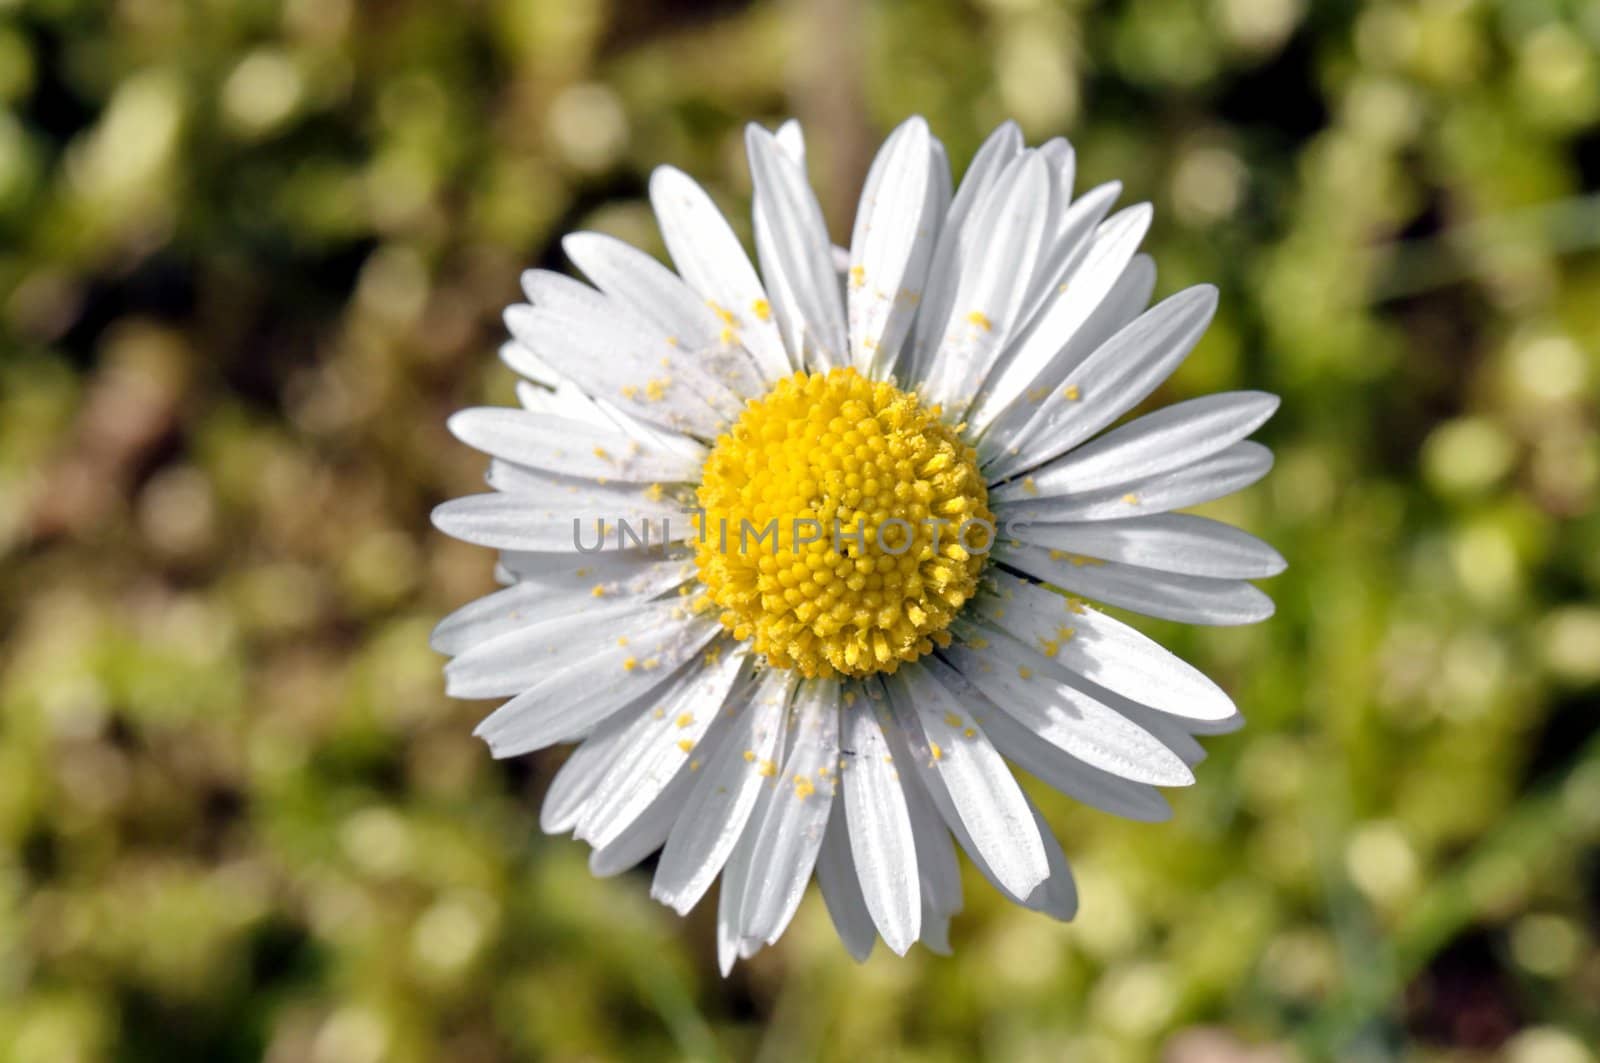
x: 252, y: 254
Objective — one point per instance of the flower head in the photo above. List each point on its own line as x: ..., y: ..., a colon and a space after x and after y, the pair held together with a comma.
x: 883, y: 492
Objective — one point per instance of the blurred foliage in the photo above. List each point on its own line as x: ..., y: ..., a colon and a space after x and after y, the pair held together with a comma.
x: 251, y: 255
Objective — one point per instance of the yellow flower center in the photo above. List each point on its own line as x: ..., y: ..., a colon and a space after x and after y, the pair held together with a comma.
x: 842, y: 526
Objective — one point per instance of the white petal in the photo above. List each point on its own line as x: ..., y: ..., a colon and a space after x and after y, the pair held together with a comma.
x: 792, y: 141
x: 716, y: 810
x: 649, y: 288
x: 948, y: 746
x: 660, y: 743
x: 792, y: 242
x: 1057, y: 895
x: 573, y: 495
x: 730, y: 895
x: 892, y: 244
x: 1165, y: 542
x: 661, y: 297
x: 1169, y: 438
x: 577, y: 779
x: 1173, y: 731
x: 935, y: 931
x: 653, y: 436
x: 1164, y: 595
x: 791, y: 833
x: 567, y: 447
x: 1102, y: 649
x: 1085, y: 245
x: 580, y: 674
x: 937, y: 794
x: 643, y: 836
x: 1063, y: 160
x: 512, y: 662
x: 1210, y: 478
x: 841, y: 889
x: 955, y: 237
x: 520, y: 360
x: 599, y: 343
x: 564, y: 399
x: 1009, y: 235
x: 618, y: 573
x: 568, y: 400
x: 1020, y: 681
x: 1091, y: 269
x: 528, y: 603
x: 1065, y: 773
x: 555, y: 523
x: 709, y: 258
x: 1006, y: 425
x: 1113, y: 379
x: 879, y: 825
x: 937, y: 868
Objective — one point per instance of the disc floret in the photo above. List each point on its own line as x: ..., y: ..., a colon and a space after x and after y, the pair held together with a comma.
x: 842, y: 525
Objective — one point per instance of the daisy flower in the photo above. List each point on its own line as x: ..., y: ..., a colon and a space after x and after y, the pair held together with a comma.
x: 802, y: 558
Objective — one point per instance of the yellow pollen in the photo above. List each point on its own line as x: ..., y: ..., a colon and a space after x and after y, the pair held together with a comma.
x: 749, y: 755
x: 858, y: 276
x: 1070, y: 393
x: 1024, y: 671
x: 685, y: 744
x: 1131, y: 498
x: 803, y: 787
x: 685, y: 720
x: 599, y: 590
x: 761, y: 309
x: 654, y: 492
x: 630, y: 664
x: 980, y: 319
x: 820, y: 511
x: 766, y: 769
x: 938, y: 754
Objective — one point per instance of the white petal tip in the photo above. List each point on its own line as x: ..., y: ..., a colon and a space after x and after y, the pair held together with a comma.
x: 901, y: 947
x: 674, y: 900
x: 664, y: 180
x: 497, y: 751
x: 1022, y: 880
